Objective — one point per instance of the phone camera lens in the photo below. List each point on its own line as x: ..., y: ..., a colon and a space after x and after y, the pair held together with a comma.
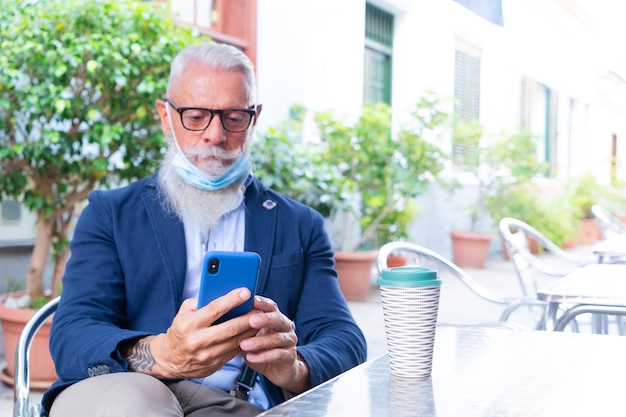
x: 214, y: 265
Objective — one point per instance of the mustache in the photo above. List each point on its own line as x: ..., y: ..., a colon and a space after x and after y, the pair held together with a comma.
x: 212, y: 152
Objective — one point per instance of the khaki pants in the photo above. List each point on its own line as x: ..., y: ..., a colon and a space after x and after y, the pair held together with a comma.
x: 136, y: 394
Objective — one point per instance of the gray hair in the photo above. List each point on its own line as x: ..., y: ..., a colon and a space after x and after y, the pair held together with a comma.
x: 218, y: 56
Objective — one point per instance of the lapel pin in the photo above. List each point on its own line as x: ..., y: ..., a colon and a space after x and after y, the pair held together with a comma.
x: 269, y: 204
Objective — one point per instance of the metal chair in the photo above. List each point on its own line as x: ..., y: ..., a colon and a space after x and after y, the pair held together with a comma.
x: 425, y: 257
x: 21, y: 385
x: 609, y: 224
x: 528, y: 266
x: 579, y: 309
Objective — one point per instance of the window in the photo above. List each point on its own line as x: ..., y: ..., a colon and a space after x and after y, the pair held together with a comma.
x: 539, y: 117
x: 11, y: 210
x: 467, y: 101
x: 200, y: 13
x: 466, y: 86
x: 226, y: 21
x: 378, y: 54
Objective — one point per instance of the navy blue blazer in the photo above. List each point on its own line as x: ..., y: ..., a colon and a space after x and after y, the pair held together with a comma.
x: 126, y: 272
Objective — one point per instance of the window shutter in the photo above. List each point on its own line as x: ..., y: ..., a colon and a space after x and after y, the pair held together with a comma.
x: 378, y: 55
x: 467, y: 100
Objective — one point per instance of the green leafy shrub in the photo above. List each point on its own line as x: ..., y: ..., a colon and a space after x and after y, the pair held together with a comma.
x: 78, y: 82
x: 361, y: 168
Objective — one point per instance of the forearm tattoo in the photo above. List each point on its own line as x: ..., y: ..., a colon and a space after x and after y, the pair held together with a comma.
x: 138, y: 355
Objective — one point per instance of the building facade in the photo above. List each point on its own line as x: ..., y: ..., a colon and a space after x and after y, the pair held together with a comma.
x: 551, y: 66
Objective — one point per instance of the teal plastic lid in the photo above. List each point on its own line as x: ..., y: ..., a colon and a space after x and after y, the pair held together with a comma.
x: 409, y: 276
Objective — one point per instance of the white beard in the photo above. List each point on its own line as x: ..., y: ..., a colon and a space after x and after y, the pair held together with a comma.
x: 197, y: 208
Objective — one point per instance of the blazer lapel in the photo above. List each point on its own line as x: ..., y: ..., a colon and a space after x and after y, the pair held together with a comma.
x: 261, y: 218
x: 169, y: 233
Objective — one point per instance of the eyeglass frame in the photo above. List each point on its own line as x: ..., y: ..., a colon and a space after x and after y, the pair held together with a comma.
x: 180, y: 110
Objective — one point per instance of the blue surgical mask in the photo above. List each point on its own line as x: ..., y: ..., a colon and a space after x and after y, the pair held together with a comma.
x: 195, y: 177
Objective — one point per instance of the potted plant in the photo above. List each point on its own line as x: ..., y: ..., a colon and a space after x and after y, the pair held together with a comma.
x: 75, y: 111
x: 582, y: 193
x: 359, y: 176
x: 299, y: 171
x: 497, y: 165
x: 383, y: 172
x: 555, y: 218
x: 543, y: 207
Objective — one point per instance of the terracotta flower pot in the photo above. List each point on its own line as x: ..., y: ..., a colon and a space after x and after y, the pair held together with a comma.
x: 589, y: 232
x: 394, y: 261
x: 470, y: 249
x: 42, y: 372
x: 354, y: 270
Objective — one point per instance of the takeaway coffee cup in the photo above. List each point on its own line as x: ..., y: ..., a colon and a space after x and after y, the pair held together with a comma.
x: 410, y: 297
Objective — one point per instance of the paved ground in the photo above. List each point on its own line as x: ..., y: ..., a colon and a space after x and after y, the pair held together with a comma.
x: 458, y: 305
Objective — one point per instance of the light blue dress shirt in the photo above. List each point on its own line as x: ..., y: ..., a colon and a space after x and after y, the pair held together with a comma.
x: 198, y: 242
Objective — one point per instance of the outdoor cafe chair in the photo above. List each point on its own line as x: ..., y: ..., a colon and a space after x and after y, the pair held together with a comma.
x: 426, y: 257
x: 21, y: 384
x: 530, y: 267
x: 608, y: 223
x: 573, y: 312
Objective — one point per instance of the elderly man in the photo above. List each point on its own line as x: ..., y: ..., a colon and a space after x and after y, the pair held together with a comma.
x: 128, y: 338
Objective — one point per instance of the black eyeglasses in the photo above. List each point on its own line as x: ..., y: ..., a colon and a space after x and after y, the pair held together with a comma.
x: 197, y: 119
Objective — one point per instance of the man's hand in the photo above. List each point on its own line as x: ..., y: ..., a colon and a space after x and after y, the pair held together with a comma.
x: 193, y: 347
x: 272, y: 351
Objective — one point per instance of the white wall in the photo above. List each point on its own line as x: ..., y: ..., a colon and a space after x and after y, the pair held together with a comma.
x: 18, y: 232
x: 311, y: 51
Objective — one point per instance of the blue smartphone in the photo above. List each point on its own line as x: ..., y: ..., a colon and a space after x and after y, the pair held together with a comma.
x: 222, y: 272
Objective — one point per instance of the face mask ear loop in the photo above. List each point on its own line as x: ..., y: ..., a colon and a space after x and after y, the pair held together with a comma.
x: 169, y: 118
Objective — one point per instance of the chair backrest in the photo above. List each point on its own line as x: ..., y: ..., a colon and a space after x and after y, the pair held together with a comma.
x: 21, y: 385
x: 609, y: 223
x: 528, y: 266
x: 422, y: 252
x: 427, y: 257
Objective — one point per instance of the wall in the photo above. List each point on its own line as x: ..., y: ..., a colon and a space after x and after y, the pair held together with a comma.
x: 311, y: 51
x: 16, y: 242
